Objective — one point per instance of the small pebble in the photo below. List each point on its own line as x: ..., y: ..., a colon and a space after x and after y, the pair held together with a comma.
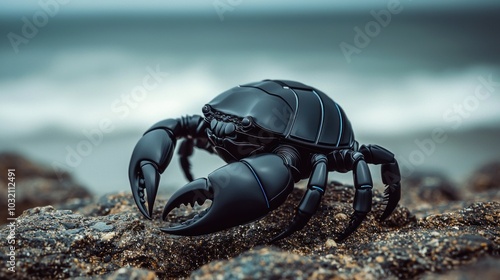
x: 101, y: 226
x: 341, y: 216
x: 330, y: 243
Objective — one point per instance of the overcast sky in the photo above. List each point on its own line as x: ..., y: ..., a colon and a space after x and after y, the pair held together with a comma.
x: 8, y: 7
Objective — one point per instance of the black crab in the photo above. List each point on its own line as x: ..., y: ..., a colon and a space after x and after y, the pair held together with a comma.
x: 272, y: 134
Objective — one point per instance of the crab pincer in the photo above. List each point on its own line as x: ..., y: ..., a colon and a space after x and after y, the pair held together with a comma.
x: 241, y: 192
x: 152, y: 155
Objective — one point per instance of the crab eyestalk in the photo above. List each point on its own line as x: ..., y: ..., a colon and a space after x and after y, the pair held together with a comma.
x: 241, y: 192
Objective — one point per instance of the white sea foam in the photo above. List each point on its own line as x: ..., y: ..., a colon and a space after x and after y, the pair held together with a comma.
x: 77, y: 91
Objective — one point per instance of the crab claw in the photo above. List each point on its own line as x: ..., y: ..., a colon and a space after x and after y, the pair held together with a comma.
x: 148, y: 180
x: 197, y: 191
x: 150, y: 157
x: 241, y: 192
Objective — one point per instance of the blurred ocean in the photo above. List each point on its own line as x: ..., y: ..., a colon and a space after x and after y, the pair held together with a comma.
x: 81, y: 79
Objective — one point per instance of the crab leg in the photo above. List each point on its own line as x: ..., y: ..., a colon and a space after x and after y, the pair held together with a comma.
x: 153, y: 153
x: 186, y: 150
x: 363, y: 196
x: 346, y: 160
x: 311, y: 199
x: 390, y: 175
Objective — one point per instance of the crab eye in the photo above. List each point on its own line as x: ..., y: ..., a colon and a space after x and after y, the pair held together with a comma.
x: 246, y: 122
x: 206, y: 109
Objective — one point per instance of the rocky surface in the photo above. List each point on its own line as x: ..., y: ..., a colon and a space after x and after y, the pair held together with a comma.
x: 486, y: 178
x: 109, y: 239
x: 37, y: 185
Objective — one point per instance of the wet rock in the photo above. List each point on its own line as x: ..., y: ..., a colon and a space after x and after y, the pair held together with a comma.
x: 486, y: 178
x: 429, y: 188
x: 429, y: 193
x: 126, y: 273
x: 486, y: 268
x: 435, y: 244
x: 264, y: 263
x: 100, y: 226
x: 109, y: 239
x: 38, y: 185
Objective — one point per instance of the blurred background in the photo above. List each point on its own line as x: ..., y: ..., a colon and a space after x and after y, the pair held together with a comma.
x: 80, y: 81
